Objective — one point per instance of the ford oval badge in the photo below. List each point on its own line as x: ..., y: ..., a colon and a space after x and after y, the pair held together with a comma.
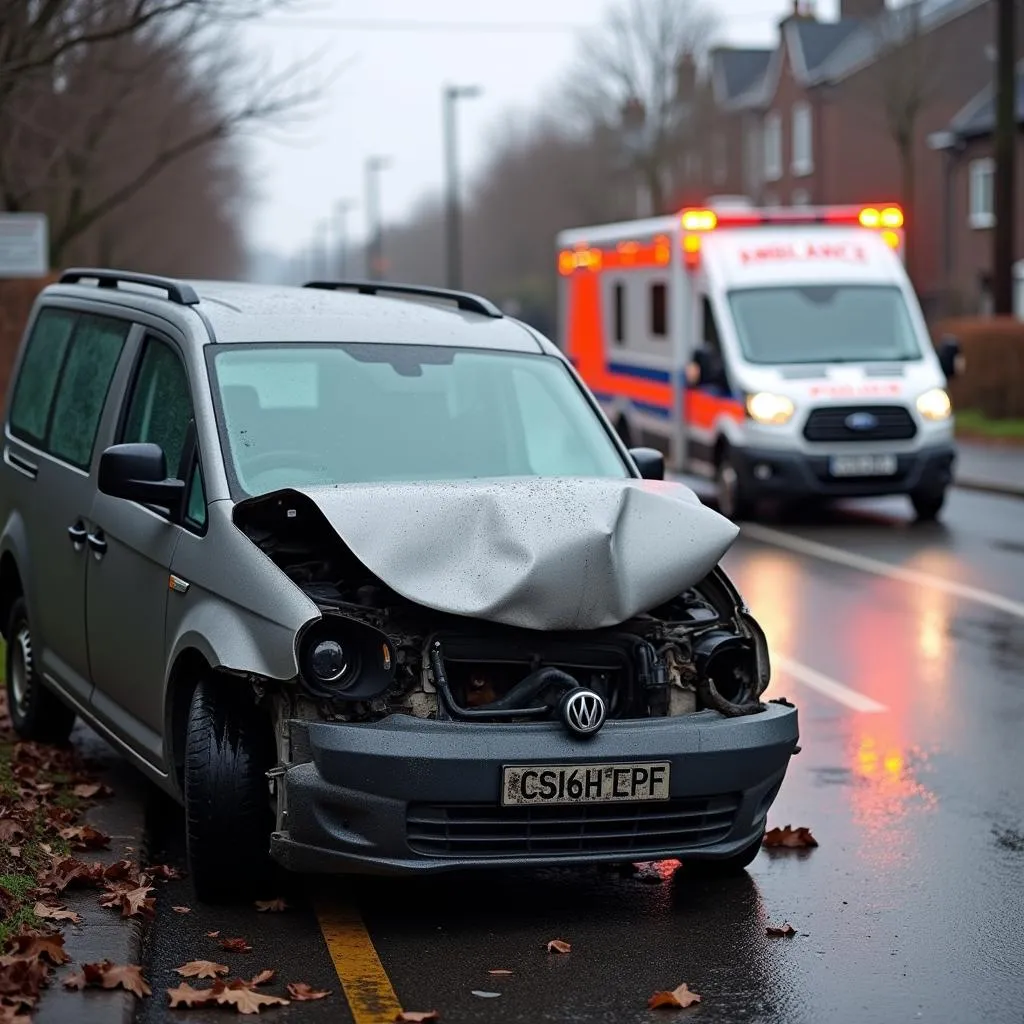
x: 861, y: 421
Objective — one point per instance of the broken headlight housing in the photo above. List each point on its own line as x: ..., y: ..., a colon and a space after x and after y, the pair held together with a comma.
x: 341, y: 658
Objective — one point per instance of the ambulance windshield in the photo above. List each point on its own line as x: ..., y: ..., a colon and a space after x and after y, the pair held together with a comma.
x: 824, y: 324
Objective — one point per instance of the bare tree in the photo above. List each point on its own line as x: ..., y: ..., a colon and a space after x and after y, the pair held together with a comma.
x: 898, y: 89
x: 634, y: 79
x: 124, y: 111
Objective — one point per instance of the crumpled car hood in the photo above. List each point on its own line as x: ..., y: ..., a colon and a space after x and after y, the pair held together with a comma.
x: 537, y: 553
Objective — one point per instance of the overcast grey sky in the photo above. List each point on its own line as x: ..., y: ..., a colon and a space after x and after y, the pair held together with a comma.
x: 388, y: 101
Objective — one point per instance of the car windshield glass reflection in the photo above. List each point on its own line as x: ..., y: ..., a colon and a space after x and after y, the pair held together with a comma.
x: 301, y: 415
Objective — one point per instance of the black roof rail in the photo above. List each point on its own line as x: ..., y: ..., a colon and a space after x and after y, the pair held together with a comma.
x: 177, y: 291
x: 464, y: 300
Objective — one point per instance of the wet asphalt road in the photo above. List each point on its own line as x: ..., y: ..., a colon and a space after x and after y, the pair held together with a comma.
x: 911, y: 908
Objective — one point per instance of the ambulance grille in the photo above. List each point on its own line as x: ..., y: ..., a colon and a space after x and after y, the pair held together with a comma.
x: 860, y: 423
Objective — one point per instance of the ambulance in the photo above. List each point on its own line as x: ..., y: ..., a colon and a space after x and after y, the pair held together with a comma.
x: 780, y: 352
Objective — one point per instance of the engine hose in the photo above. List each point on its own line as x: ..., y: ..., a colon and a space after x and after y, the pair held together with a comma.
x: 710, y: 697
x: 526, y: 689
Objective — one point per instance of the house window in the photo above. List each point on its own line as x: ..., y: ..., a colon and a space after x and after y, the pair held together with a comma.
x: 982, y: 198
x: 772, y: 147
x: 752, y: 159
x: 803, y: 158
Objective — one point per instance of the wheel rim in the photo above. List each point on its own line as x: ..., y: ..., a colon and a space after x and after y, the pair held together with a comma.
x: 21, y: 670
x: 728, y: 481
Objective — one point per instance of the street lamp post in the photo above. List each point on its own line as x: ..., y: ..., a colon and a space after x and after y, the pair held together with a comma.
x: 374, y: 248
x: 452, y: 93
x: 341, y: 212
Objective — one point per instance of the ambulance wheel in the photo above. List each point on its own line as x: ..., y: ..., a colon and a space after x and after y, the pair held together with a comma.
x: 928, y: 504
x: 732, y: 494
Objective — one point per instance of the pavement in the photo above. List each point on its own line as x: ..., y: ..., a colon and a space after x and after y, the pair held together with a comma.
x: 998, y: 469
x: 102, y: 934
x: 901, y: 643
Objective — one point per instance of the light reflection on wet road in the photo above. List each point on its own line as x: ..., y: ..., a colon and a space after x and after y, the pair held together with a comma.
x: 912, y: 907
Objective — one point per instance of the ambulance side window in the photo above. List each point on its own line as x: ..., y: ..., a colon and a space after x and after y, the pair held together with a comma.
x: 659, y: 309
x: 619, y: 302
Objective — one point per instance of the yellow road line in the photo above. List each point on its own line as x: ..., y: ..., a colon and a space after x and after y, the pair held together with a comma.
x: 367, y: 987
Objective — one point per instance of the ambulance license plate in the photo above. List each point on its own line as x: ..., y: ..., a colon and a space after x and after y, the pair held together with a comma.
x: 862, y: 465
x: 536, y: 784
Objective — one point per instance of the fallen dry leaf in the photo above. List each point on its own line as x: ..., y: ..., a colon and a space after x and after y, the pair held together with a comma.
x: 303, y: 993
x: 10, y: 830
x: 122, y: 870
x: 182, y: 910
x: 12, y: 1015
x: 244, y: 999
x: 790, y: 838
x: 48, y: 913
x: 88, y: 790
x: 186, y: 995
x: 131, y: 901
x: 85, y: 837
x: 162, y: 872
x: 212, y: 935
x: 263, y: 978
x: 235, y: 945
x: 15, y: 852
x: 275, y: 906
x: 416, y: 1016
x: 499, y: 971
x: 559, y: 946
x: 678, y: 997
x: 33, y: 945
x: 108, y: 975
x: 785, y: 929
x: 201, y: 969
x: 22, y: 978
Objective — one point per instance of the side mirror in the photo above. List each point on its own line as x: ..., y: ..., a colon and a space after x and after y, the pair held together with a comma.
x: 950, y: 359
x: 650, y: 462
x: 138, y: 472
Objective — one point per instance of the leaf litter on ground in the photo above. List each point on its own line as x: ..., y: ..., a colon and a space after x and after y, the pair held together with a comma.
x: 789, y: 838
x: 678, y: 998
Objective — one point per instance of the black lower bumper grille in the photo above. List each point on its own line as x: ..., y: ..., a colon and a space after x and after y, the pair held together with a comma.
x: 486, y: 830
x: 860, y: 423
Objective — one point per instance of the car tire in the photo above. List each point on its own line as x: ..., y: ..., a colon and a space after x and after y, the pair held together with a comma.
x: 928, y: 504
x: 228, y: 815
x: 36, y: 712
x: 735, y: 864
x: 731, y: 493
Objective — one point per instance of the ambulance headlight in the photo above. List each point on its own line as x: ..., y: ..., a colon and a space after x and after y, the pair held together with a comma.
x: 934, y: 405
x: 764, y: 407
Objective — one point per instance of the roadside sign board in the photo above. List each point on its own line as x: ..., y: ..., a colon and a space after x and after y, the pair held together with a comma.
x: 24, y: 245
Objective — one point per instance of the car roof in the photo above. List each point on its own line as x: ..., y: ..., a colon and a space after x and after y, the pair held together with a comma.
x: 238, y: 312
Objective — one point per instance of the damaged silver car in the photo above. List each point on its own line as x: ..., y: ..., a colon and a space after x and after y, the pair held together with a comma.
x: 361, y: 574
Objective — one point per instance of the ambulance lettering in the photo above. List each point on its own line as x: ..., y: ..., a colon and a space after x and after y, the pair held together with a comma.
x: 880, y: 390
x: 805, y: 251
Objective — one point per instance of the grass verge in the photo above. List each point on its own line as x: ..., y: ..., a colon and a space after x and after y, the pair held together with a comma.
x: 973, y: 425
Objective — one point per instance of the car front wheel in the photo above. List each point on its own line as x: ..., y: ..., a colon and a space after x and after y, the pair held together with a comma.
x: 229, y: 819
x: 36, y: 713
x: 928, y: 503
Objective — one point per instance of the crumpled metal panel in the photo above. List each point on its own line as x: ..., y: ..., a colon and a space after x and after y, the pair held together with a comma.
x: 538, y: 553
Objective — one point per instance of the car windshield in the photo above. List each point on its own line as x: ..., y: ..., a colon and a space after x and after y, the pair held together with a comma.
x: 824, y: 324
x: 298, y: 415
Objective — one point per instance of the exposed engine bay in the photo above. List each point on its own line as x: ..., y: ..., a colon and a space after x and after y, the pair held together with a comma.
x: 373, y: 652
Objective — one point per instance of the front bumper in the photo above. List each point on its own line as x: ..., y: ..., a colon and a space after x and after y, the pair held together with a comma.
x: 407, y: 795
x: 799, y: 474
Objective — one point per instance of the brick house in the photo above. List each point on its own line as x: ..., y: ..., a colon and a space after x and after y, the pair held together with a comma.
x: 968, y: 212
x: 816, y: 119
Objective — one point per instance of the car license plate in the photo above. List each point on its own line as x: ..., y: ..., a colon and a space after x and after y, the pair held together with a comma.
x: 538, y: 784
x: 862, y: 465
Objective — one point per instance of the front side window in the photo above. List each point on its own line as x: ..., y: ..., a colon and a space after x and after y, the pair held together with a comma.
x: 824, y: 324
x: 803, y: 142
x: 160, y: 407
x: 40, y: 370
x: 299, y: 415
x: 92, y: 357
x: 772, y: 147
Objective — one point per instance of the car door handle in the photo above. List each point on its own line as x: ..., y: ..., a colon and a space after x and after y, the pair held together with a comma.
x: 97, y: 543
x: 78, y: 533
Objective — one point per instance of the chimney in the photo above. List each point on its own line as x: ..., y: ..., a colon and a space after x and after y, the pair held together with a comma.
x: 861, y: 8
